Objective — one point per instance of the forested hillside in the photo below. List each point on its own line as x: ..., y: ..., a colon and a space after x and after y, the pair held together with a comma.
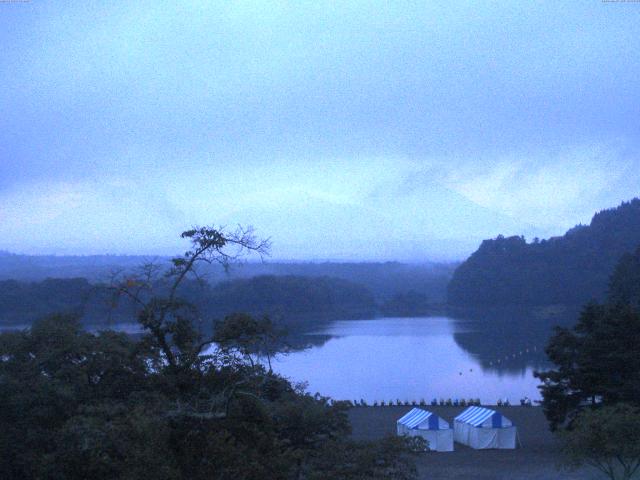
x: 291, y: 300
x: 23, y: 302
x: 571, y: 269
x: 384, y: 279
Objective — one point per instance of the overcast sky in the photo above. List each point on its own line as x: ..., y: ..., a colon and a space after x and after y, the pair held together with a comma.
x: 346, y: 130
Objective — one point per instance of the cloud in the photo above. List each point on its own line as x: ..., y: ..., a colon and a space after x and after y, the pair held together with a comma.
x: 323, y: 209
x: 201, y: 111
x: 552, y: 191
x: 110, y: 216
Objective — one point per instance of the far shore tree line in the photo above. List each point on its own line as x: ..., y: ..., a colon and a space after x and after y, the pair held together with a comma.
x: 293, y: 301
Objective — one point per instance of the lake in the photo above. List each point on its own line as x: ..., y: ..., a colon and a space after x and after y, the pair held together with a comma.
x: 490, y: 355
x: 419, y: 358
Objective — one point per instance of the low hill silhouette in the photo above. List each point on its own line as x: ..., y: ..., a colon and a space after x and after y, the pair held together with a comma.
x: 572, y: 269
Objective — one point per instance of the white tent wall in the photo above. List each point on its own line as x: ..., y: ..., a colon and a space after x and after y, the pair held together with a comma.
x: 483, y: 438
x: 435, y: 430
x: 485, y: 434
x: 462, y: 433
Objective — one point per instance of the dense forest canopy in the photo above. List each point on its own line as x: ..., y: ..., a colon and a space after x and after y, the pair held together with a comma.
x: 24, y: 302
x: 624, y: 286
x: 384, y: 279
x: 571, y: 269
x: 78, y: 405
x: 292, y: 297
x: 35, y: 286
x: 293, y: 300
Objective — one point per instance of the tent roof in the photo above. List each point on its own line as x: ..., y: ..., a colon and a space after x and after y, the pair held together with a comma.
x: 415, y: 417
x: 475, y: 416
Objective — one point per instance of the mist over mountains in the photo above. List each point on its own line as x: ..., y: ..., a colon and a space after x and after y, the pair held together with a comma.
x: 413, y: 221
x: 411, y: 218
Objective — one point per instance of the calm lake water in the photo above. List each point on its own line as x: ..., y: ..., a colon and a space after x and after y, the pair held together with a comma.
x: 489, y: 356
x: 418, y: 358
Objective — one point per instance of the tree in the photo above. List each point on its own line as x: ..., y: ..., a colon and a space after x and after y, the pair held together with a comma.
x: 248, y: 336
x: 377, y: 460
x: 607, y: 439
x: 407, y: 304
x: 624, y: 287
x: 51, y: 376
x: 597, y: 362
x: 168, y: 318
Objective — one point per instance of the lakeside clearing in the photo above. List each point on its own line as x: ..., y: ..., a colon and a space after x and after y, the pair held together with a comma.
x: 536, y: 459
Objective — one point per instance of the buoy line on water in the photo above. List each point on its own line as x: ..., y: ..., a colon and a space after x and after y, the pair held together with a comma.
x: 500, y: 360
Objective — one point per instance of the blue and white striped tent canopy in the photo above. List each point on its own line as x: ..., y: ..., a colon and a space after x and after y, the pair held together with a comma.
x: 422, y: 419
x: 483, y: 417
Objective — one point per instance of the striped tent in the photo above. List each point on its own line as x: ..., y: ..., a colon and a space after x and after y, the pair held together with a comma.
x: 480, y: 427
x: 428, y: 425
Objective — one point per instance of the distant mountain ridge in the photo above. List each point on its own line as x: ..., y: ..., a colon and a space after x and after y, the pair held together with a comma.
x: 571, y: 269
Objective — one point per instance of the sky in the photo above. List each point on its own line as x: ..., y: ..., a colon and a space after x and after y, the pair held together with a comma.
x: 341, y: 130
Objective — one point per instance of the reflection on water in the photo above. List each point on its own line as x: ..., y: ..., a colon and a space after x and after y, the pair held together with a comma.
x: 487, y: 355
x: 511, y: 340
x: 422, y: 358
